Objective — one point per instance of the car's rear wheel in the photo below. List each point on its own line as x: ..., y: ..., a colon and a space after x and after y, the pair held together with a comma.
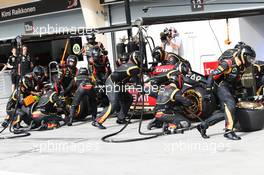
x: 201, y: 108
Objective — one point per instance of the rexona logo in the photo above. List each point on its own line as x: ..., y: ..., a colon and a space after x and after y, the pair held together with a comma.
x: 29, y: 27
x: 76, y: 49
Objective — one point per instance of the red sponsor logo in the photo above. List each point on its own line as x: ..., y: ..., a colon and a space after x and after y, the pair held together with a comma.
x: 148, y: 100
x: 163, y: 68
x: 209, y: 67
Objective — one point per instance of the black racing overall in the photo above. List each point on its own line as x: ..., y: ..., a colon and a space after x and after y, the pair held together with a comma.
x: 25, y: 64
x: 46, y: 109
x: 85, y: 89
x: 13, y: 61
x: 67, y: 79
x: 20, y: 114
x: 117, y: 94
x: 224, y: 81
x: 30, y: 87
x: 99, y: 64
x: 168, y: 108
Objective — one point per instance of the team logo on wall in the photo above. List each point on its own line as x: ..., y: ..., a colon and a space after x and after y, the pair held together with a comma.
x: 29, y: 28
x: 76, y: 49
x: 234, y: 70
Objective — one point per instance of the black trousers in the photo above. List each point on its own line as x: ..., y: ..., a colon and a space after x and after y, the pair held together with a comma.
x: 118, y: 99
x: 228, y: 107
x: 21, y: 114
x: 178, y: 119
x: 83, y: 91
x: 38, y: 117
x: 14, y: 78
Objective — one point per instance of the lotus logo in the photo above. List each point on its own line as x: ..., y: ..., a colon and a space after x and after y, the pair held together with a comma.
x: 76, y: 49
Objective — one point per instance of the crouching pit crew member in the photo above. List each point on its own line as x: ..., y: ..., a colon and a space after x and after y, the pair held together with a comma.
x: 181, y: 70
x: 170, y: 96
x: 222, y: 82
x: 168, y: 108
x: 45, y: 114
x: 16, y: 107
x: 29, y: 92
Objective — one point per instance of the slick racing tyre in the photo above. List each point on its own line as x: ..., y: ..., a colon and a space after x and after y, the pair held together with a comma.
x: 250, y: 116
x: 201, y: 107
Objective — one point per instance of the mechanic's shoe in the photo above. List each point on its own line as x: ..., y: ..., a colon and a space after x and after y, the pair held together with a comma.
x: 122, y: 121
x: 171, y: 129
x: 151, y: 125
x: 229, y: 134
x: 5, y: 124
x: 69, y: 123
x: 202, y: 131
x: 98, y: 125
x: 17, y: 126
x: 154, y: 124
x: 68, y: 120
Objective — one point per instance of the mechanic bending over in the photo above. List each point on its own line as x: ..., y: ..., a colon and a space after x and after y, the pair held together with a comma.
x: 118, y: 97
x: 50, y: 104
x: 85, y: 88
x: 222, y: 82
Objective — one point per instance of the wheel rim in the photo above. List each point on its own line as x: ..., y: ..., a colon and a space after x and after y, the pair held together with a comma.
x: 197, y: 108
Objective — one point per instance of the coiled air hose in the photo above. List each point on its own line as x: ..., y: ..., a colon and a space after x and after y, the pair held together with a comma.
x: 150, y: 135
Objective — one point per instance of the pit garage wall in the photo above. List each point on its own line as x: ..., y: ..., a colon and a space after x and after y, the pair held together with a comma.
x: 118, y: 10
x: 199, y: 42
x: 252, y: 32
x: 69, y: 19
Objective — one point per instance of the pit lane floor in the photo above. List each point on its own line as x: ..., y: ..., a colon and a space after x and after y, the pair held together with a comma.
x: 79, y: 150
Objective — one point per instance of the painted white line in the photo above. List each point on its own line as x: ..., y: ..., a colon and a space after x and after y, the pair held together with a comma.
x: 13, y: 173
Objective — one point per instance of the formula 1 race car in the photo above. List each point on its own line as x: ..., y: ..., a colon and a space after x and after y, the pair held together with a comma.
x: 202, y: 108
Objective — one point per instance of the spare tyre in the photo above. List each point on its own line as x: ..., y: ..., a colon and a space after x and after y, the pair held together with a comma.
x: 250, y: 116
x: 201, y: 107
